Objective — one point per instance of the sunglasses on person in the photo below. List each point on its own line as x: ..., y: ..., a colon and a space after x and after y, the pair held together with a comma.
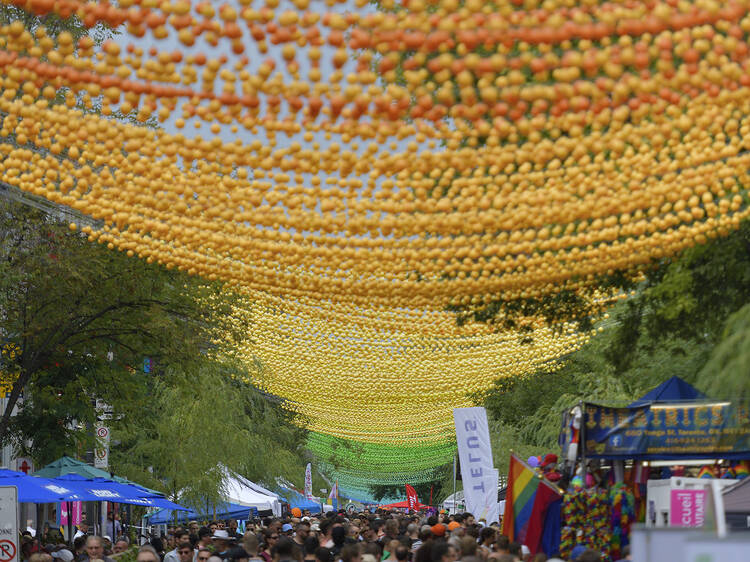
x: 205, y: 557
x: 274, y: 537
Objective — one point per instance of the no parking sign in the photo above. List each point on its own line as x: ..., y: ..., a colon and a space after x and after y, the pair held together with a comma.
x: 8, y: 524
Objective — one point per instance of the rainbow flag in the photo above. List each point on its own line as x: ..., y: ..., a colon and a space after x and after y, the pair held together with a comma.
x: 526, y: 502
x: 333, y: 497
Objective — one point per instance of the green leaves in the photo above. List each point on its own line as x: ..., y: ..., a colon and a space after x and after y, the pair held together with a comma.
x: 690, y: 318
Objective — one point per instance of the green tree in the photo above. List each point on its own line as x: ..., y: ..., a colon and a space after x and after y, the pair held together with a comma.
x: 688, y: 318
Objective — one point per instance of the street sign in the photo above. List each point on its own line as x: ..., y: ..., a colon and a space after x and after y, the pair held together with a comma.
x: 101, y: 452
x: 8, y: 524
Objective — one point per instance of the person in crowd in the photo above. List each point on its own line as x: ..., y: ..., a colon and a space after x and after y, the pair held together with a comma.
x: 180, y: 536
x: 40, y: 557
x: 83, y: 529
x: 301, y: 533
x: 114, y: 527
x: 487, y: 538
x: 443, y: 551
x: 467, y: 520
x: 515, y: 549
x: 467, y: 547
x: 402, y: 554
x: 322, y: 554
x: 351, y: 553
x: 308, y: 549
x: 95, y: 550
x: 62, y: 555
x: 203, y: 555
x: 232, y: 530
x: 204, y: 538
x: 221, y: 540
x: 338, y: 536
x: 251, y: 544
x: 147, y: 553
x: 238, y: 554
x: 185, y: 552
x: 352, y: 534
x: 286, y: 550
x: 270, y: 538
x: 121, y: 545
x: 287, y: 530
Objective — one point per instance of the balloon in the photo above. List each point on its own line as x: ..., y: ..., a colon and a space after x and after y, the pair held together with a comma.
x: 533, y: 462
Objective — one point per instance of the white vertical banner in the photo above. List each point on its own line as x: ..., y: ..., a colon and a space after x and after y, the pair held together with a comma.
x: 101, y: 451
x: 477, y: 469
x: 308, y: 481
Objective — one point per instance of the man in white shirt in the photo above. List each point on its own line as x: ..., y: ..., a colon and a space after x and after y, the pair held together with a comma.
x: 83, y: 529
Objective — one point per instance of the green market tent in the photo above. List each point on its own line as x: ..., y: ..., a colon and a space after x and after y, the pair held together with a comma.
x: 68, y: 465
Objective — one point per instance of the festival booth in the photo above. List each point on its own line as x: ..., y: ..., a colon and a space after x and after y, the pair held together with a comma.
x: 242, y: 500
x: 403, y: 505
x: 298, y: 500
x: 650, y: 462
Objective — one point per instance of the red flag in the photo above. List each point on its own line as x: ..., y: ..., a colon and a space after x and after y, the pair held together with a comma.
x: 411, y: 497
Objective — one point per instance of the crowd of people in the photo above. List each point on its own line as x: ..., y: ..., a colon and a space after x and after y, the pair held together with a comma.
x: 301, y: 537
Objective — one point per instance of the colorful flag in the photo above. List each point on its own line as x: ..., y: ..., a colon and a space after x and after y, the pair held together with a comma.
x: 308, y: 481
x: 411, y: 497
x: 526, y: 503
x: 334, y: 495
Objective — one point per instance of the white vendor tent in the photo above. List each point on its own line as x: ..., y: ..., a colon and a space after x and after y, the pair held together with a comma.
x: 239, y: 490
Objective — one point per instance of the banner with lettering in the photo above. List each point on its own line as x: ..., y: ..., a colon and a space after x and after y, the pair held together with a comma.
x: 668, y: 431
x: 411, y: 497
x: 308, y: 481
x: 687, y: 508
x: 479, y: 476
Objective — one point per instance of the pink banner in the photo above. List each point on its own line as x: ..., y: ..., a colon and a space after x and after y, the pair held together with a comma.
x: 687, y: 508
x: 76, y: 512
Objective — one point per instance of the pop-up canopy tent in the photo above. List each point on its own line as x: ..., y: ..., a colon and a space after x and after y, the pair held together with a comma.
x: 673, y: 389
x: 241, y: 491
x: 402, y: 505
x: 295, y: 499
x: 104, y: 489
x: 68, y: 465
x: 241, y: 498
x: 225, y: 511
x: 32, y: 489
x: 674, y: 421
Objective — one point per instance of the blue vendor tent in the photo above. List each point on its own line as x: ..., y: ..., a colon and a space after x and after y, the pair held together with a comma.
x: 295, y: 499
x: 672, y: 390
x: 225, y: 511
x: 31, y: 489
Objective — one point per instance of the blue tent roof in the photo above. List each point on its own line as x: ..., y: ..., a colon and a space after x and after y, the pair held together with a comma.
x: 296, y: 499
x: 225, y: 511
x: 672, y: 390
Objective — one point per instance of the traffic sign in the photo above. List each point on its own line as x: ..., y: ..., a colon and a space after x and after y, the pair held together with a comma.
x: 101, y: 452
x: 8, y: 524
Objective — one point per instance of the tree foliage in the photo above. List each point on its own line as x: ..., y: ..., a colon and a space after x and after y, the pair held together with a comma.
x: 78, y: 323
x: 690, y: 317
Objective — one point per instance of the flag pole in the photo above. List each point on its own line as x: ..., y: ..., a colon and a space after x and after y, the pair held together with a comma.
x: 454, y: 485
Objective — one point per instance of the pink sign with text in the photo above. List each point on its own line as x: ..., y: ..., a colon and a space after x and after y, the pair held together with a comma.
x: 687, y: 508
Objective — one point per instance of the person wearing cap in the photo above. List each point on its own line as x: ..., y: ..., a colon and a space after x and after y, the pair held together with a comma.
x: 63, y: 555
x: 221, y: 541
x: 287, y: 529
x: 438, y: 530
